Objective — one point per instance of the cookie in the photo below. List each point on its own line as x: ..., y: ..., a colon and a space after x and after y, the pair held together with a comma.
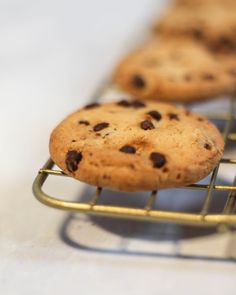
x: 213, y: 23
x: 194, y: 3
x: 179, y: 70
x: 136, y: 146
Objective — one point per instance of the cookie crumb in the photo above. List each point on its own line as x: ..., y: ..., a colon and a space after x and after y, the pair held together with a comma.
x: 100, y: 126
x: 73, y: 159
x: 147, y: 125
x: 158, y: 160
x: 128, y: 149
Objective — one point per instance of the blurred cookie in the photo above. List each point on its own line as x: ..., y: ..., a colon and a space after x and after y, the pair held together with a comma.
x: 213, y: 23
x: 136, y: 146
x: 194, y: 3
x: 178, y: 70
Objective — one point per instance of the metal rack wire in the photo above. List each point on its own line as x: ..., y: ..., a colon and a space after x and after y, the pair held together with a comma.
x: 225, y: 219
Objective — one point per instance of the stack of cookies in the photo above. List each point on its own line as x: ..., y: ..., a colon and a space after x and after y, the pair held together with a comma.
x: 191, y: 57
x: 144, y: 143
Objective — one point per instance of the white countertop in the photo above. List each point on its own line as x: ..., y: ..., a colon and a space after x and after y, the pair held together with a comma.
x: 53, y: 54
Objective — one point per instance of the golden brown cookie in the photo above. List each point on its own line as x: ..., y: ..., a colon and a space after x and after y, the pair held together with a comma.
x: 194, y: 3
x: 213, y: 23
x: 179, y: 70
x: 136, y: 146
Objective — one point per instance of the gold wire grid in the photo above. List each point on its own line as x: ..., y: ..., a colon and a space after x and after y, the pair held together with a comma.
x: 225, y: 219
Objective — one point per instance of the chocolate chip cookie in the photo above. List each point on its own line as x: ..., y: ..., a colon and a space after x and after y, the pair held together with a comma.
x: 205, y: 3
x: 178, y: 70
x: 136, y: 146
x: 210, y: 22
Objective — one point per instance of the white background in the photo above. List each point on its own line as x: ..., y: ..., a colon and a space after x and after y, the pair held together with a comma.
x: 52, y: 56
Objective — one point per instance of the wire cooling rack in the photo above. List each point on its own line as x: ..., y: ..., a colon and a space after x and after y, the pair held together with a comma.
x: 225, y: 219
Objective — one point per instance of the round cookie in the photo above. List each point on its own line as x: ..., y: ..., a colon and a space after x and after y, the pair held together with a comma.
x: 211, y: 22
x: 136, y: 146
x: 173, y: 70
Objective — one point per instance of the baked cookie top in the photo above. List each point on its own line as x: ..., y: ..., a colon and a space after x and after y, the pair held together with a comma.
x: 173, y: 70
x: 136, y: 146
x: 211, y: 22
x: 205, y: 3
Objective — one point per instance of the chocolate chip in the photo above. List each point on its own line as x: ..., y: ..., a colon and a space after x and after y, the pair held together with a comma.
x: 100, y: 126
x: 197, y: 33
x: 226, y: 41
x: 138, y: 104
x: 92, y: 105
x: 155, y: 115
x: 200, y: 119
x: 178, y: 176
x: 207, y: 146
x: 138, y: 81
x: 134, y: 103
x: 128, y: 149
x: 132, y: 166
x: 84, y: 122
x: 124, y: 103
x: 105, y: 176
x: 147, y: 125
x: 188, y: 77
x: 73, y: 140
x: 158, y: 160
x: 208, y: 77
x: 173, y: 116
x: 72, y: 160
